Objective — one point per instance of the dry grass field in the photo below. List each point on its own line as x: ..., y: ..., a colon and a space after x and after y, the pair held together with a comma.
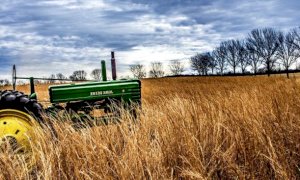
x: 189, y: 128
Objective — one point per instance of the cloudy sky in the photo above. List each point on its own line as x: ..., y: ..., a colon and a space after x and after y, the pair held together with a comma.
x: 51, y: 36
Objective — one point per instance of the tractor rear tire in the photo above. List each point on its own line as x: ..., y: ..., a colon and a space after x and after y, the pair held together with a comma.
x: 19, y: 101
x: 19, y: 117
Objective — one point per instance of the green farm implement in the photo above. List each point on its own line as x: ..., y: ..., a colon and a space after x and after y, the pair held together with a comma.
x: 20, y: 114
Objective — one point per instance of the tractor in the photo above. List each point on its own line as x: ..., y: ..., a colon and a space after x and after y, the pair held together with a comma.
x: 20, y: 114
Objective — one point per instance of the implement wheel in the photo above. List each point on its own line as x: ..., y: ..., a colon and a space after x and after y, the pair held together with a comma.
x: 19, y: 117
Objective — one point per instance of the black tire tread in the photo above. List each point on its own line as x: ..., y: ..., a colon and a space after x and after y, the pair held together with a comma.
x: 10, y: 99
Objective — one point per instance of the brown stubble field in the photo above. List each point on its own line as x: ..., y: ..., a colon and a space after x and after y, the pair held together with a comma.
x: 189, y: 127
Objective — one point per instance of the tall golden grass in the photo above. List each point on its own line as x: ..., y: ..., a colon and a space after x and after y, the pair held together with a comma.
x: 190, y: 128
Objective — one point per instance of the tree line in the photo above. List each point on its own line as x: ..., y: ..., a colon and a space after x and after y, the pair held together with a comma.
x: 156, y: 69
x: 262, y: 51
x: 78, y: 75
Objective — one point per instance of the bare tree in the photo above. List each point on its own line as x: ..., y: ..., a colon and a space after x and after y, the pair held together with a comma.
x: 219, y: 56
x: 254, y: 59
x: 231, y: 55
x: 60, y: 76
x: 201, y: 62
x: 296, y: 35
x: 78, y: 75
x: 265, y: 43
x: 96, y: 74
x: 212, y: 63
x: 287, y: 51
x: 138, y: 71
x: 196, y: 63
x: 4, y: 82
x: 156, y: 70
x: 176, y: 67
x: 242, y: 55
x: 51, y: 79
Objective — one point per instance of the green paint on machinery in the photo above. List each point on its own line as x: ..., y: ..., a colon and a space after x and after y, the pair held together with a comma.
x: 100, y: 95
x: 18, y: 111
x: 86, y: 96
x: 126, y: 90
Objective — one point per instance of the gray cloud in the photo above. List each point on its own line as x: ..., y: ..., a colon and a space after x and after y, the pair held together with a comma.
x: 51, y: 36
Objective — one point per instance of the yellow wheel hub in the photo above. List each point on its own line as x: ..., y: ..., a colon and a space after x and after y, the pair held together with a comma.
x: 16, y: 130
